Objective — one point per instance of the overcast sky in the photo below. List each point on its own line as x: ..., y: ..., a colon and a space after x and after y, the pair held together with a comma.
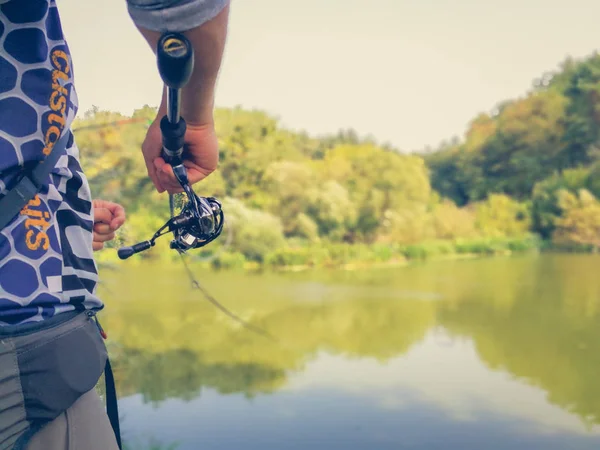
x: 412, y: 73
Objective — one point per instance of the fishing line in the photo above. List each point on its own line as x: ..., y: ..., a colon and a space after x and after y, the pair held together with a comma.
x: 222, y: 308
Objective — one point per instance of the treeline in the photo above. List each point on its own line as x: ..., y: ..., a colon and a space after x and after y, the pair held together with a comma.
x: 542, y: 150
x: 526, y: 172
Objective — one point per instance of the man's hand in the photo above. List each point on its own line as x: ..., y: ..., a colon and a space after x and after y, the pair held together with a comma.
x: 108, y: 218
x: 200, y: 153
x: 200, y: 156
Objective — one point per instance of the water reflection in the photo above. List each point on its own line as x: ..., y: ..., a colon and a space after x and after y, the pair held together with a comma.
x: 474, y: 354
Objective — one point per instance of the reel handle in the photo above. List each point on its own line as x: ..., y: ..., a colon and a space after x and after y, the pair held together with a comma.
x: 126, y: 252
x: 175, y: 60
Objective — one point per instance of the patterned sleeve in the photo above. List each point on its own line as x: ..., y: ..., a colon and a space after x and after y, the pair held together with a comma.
x: 173, y: 15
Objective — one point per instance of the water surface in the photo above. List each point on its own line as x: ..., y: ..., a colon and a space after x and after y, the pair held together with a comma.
x: 482, y: 354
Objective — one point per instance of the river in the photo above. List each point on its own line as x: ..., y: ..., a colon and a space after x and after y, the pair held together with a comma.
x: 499, y: 353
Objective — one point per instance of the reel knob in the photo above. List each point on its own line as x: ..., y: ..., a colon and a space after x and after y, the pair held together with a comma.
x: 175, y: 59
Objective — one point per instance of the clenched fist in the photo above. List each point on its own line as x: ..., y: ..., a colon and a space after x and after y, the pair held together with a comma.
x: 108, y: 218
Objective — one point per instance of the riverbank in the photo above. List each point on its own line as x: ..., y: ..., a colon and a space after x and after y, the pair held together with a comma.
x: 353, y: 256
x: 302, y: 256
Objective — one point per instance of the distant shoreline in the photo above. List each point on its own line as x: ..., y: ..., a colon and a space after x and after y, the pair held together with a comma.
x: 358, y: 256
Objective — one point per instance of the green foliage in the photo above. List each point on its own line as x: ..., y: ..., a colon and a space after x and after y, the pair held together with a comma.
x: 295, y: 200
x: 428, y: 250
x: 526, y: 140
x: 306, y: 228
x: 297, y: 256
x: 291, y: 199
x: 332, y: 210
x: 378, y: 181
x: 276, y: 186
x: 227, y: 260
x: 579, y: 223
x: 501, y: 216
x: 255, y: 232
x: 451, y: 222
x: 497, y: 245
x: 409, y: 226
x: 332, y: 254
x: 544, y: 206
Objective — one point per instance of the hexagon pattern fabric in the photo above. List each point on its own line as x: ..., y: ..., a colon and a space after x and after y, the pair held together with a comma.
x: 46, y: 258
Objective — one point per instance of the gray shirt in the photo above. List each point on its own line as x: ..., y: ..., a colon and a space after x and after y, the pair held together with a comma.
x: 173, y: 15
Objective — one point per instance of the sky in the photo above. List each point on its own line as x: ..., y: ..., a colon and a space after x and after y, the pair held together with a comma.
x: 409, y: 73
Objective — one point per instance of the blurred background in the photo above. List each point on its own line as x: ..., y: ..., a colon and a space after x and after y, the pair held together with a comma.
x: 411, y: 193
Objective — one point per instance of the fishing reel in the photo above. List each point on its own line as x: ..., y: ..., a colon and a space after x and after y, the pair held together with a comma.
x: 201, y: 219
x: 197, y: 225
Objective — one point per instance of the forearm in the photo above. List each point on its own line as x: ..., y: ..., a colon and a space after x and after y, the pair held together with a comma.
x: 208, y: 39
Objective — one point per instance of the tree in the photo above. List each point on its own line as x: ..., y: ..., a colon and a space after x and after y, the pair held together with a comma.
x: 580, y: 221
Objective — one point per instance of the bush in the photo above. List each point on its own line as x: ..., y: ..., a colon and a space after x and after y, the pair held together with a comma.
x: 297, y: 256
x: 483, y: 246
x: 452, y: 222
x: 331, y: 254
x: 384, y: 252
x: 228, y: 260
x: 545, y: 207
x: 255, y: 233
x: 427, y: 250
x: 501, y: 216
x: 579, y: 224
x: 524, y: 244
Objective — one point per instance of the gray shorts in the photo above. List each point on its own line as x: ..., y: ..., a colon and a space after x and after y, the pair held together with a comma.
x: 48, y: 372
x: 84, y: 426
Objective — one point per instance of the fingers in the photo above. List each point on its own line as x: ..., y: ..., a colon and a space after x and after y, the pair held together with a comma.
x: 102, y: 215
x: 118, y: 216
x: 167, y: 177
x: 103, y: 237
x: 109, y: 213
x: 108, y: 217
x: 102, y: 233
x: 202, y: 156
x: 102, y: 228
x: 151, y: 149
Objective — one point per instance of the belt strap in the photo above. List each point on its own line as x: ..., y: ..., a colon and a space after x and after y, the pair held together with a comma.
x: 28, y: 186
x: 112, y: 409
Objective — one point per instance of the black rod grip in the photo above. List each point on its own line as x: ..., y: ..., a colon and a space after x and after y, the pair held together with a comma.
x: 173, y: 135
x: 175, y: 59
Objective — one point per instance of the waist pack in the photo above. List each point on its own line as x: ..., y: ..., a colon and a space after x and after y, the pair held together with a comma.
x: 44, y: 368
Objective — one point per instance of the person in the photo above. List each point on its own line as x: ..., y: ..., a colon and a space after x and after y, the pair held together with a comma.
x: 51, y: 349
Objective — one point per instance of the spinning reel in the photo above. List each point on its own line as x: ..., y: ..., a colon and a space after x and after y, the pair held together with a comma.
x: 201, y: 218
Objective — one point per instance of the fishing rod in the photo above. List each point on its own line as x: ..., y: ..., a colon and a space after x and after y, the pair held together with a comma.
x: 201, y: 219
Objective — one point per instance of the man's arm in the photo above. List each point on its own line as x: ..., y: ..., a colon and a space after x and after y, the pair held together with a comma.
x: 204, y: 23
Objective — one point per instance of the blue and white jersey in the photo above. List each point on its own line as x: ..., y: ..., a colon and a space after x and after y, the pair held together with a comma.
x: 46, y: 257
